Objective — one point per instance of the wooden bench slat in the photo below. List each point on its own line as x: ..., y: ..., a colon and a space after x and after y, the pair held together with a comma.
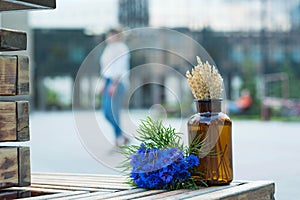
x: 90, y: 179
x: 96, y: 187
x: 71, y: 188
x: 139, y: 194
x: 79, y: 183
x: 55, y: 196
x: 204, y: 190
x: 14, y: 121
x: 12, y: 40
x: 259, y: 190
x: 162, y: 195
x: 92, y: 195
x: 122, y: 193
x: 76, y: 176
x: 9, y: 5
x: 14, y: 166
x: 14, y: 75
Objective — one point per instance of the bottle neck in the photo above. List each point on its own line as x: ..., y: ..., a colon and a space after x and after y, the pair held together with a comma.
x: 208, y: 105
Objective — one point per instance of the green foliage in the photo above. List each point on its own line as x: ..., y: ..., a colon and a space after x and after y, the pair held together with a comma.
x: 250, y: 81
x: 155, y: 135
x: 293, y: 80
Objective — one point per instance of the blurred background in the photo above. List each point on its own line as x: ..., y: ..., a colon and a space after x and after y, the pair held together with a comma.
x: 255, y: 45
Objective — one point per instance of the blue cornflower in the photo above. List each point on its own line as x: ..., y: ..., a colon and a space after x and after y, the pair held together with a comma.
x: 192, y: 160
x: 157, y: 169
x: 171, y: 167
x: 183, y: 175
x: 153, y: 181
x: 166, y: 175
x: 139, y: 179
x: 181, y: 166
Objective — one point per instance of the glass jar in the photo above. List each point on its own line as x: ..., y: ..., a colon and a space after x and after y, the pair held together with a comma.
x: 214, y: 129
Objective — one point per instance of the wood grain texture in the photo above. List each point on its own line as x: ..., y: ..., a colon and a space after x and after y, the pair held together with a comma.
x: 9, y: 5
x: 89, y: 187
x: 14, y: 194
x: 23, y: 75
x: 14, y: 75
x: 24, y: 166
x: 256, y: 190
x: 22, y: 121
x: 14, y: 166
x: 8, y: 122
x: 8, y: 75
x: 8, y: 167
x: 11, y: 40
x: 14, y: 121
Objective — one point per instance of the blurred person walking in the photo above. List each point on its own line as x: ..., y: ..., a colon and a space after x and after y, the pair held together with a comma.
x: 114, y: 63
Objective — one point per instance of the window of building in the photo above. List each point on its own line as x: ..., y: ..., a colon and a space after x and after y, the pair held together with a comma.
x: 237, y: 54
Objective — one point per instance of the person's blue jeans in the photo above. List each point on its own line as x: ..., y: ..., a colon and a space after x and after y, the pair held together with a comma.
x: 112, y: 105
x: 233, y: 108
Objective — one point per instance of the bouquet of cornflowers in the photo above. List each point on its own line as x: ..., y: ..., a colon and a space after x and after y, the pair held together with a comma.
x: 161, y: 161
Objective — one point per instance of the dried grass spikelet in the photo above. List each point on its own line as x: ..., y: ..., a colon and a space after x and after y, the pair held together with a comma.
x: 205, y: 81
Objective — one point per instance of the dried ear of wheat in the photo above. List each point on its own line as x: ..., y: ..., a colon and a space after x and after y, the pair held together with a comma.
x: 205, y: 81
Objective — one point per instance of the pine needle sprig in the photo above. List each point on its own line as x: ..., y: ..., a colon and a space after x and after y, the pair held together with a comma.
x: 155, y: 135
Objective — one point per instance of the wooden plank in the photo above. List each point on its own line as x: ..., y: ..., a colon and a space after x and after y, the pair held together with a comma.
x: 8, y: 116
x: 258, y: 190
x: 109, y: 177
x: 122, y: 193
x: 23, y: 121
x: 8, y: 167
x: 205, y: 190
x: 14, y: 121
x: 66, y: 184
x: 54, y: 196
x: 14, y: 166
x: 162, y: 195
x: 92, y: 195
x: 8, y: 5
x: 23, y: 75
x: 82, y: 179
x: 79, y: 183
x: 24, y: 166
x: 14, y: 75
x: 70, y: 188
x: 14, y: 194
x: 12, y: 40
x: 139, y: 194
x: 8, y: 75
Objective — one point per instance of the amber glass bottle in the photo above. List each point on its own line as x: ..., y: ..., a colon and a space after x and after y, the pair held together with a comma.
x: 214, y: 128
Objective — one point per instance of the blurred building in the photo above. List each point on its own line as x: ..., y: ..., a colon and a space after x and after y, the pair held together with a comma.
x: 133, y: 13
x: 59, y: 52
x: 295, y: 16
x: 235, y: 54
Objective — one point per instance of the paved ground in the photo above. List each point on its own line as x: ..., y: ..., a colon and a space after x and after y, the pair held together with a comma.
x: 262, y: 150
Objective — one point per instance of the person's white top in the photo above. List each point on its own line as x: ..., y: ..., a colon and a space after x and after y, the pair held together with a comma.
x: 114, y: 62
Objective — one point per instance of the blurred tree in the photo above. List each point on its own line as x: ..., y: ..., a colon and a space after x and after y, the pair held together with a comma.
x: 249, y: 76
x: 294, y: 86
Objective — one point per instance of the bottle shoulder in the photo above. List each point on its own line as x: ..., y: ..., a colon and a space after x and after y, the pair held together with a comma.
x: 208, y: 117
